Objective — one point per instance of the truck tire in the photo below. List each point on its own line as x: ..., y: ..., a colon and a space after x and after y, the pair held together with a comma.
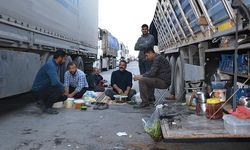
x: 172, y: 63
x: 179, y: 80
x: 79, y: 63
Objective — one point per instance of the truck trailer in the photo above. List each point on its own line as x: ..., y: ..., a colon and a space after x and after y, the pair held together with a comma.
x: 31, y: 30
x: 108, y: 46
x: 199, y: 38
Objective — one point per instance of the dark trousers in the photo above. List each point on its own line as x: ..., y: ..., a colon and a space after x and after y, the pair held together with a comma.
x: 49, y: 96
x: 110, y: 93
x: 79, y: 94
x: 147, y: 86
x: 144, y: 65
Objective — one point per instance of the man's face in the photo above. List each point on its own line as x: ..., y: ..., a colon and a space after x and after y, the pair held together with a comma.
x: 72, y: 69
x: 122, y: 66
x: 144, y: 30
x: 150, y: 56
x: 97, y: 71
x: 61, y: 60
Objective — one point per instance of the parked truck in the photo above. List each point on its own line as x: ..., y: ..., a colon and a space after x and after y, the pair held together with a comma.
x: 31, y: 30
x: 108, y: 46
x: 122, y: 53
x: 198, y: 37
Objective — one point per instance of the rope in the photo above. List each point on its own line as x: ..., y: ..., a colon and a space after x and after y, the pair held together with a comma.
x: 228, y: 100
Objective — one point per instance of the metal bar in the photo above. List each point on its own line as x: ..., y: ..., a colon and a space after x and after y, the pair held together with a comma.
x: 168, y: 17
x: 173, y: 26
x: 196, y: 12
x: 161, y: 32
x: 235, y: 60
x: 185, y: 19
x: 169, y: 29
x: 178, y: 22
x: 229, y: 9
x: 203, y: 7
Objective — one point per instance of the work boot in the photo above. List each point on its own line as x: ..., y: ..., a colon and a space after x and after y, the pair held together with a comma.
x: 51, y: 111
x: 142, y: 105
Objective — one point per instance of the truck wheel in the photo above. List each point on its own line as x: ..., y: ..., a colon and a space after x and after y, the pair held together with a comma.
x: 79, y: 63
x: 179, y: 80
x: 172, y: 63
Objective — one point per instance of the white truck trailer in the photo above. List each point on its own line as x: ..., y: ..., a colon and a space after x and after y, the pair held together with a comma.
x: 31, y: 30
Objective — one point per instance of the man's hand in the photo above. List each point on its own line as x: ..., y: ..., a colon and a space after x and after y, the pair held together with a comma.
x: 126, y: 92
x: 119, y: 91
x: 70, y: 95
x: 137, y: 77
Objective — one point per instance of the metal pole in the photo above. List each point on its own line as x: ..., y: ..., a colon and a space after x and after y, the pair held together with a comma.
x: 235, y: 60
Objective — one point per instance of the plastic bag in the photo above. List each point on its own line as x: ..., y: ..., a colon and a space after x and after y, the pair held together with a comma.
x: 136, y: 98
x: 152, y: 126
x: 89, y: 94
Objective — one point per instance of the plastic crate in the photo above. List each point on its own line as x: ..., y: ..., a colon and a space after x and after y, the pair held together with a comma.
x: 234, y: 125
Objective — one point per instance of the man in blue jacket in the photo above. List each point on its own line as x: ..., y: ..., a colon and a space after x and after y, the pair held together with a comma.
x: 47, y: 88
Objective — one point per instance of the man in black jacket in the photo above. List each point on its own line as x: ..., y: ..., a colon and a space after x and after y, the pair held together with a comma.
x: 159, y: 77
x: 121, y: 82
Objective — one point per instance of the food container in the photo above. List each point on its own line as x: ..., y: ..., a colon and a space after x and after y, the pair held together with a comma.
x: 236, y: 126
x: 213, y: 105
x: 120, y: 98
x: 83, y: 107
x: 78, y: 104
x: 69, y: 103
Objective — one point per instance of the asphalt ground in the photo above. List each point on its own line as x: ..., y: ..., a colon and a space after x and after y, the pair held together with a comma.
x: 24, y: 127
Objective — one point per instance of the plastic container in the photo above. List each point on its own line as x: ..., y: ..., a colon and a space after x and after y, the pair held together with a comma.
x: 235, y: 125
x: 212, y: 105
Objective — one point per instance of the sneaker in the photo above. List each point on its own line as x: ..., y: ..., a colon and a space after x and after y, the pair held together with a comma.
x: 142, y: 105
x: 51, y: 111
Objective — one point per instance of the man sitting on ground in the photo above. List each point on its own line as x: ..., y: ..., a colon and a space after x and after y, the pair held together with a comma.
x: 121, y: 82
x: 46, y: 88
x: 75, y: 81
x: 159, y: 77
x: 99, y: 82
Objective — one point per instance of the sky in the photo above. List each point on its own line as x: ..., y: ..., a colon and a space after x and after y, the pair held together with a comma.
x: 123, y: 18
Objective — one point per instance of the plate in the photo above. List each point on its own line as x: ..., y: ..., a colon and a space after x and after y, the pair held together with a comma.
x: 120, y: 96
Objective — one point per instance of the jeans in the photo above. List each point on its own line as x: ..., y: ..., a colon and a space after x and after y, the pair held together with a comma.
x: 79, y: 94
x: 110, y: 93
x: 147, y: 86
x: 144, y: 65
x: 49, y: 96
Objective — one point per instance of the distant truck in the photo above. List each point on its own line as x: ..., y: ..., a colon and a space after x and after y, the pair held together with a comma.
x: 108, y: 46
x: 31, y: 30
x: 198, y: 37
x: 123, y: 53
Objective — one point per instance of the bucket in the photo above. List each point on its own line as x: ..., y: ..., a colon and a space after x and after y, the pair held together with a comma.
x: 212, y: 106
x: 69, y: 103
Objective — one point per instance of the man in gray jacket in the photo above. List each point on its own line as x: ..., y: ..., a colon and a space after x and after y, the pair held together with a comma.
x: 145, y: 42
x: 159, y: 76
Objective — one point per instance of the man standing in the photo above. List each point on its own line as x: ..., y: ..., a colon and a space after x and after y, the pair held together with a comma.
x: 159, y: 77
x: 75, y: 81
x: 47, y: 89
x: 121, y: 82
x: 145, y: 42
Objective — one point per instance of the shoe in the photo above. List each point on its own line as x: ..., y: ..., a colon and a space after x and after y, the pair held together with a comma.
x: 142, y: 105
x: 51, y: 111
